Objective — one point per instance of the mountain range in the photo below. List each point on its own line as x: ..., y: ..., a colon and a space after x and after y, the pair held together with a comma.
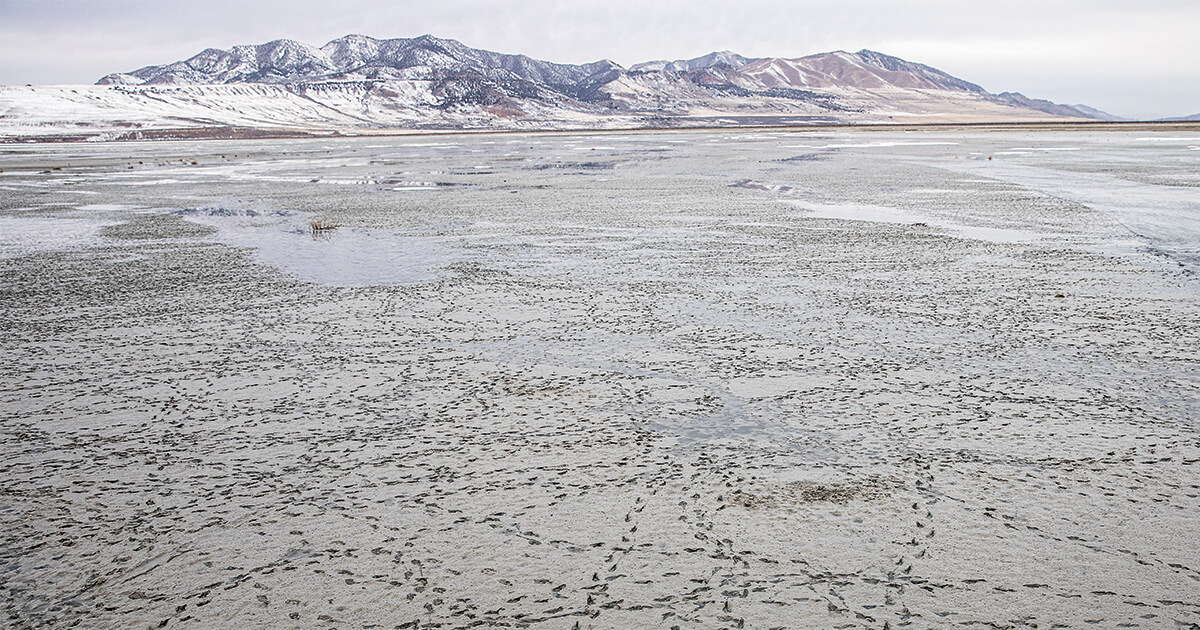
x: 355, y: 84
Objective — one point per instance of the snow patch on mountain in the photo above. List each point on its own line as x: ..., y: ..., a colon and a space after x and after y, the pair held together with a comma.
x: 865, y: 69
x: 724, y: 57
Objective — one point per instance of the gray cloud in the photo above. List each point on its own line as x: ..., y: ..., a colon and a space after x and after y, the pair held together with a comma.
x: 1135, y: 59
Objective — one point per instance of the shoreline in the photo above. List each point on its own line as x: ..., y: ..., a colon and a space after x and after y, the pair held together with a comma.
x: 227, y: 133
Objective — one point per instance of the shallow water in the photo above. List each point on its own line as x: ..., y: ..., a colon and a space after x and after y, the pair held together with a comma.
x: 343, y: 256
x: 22, y: 236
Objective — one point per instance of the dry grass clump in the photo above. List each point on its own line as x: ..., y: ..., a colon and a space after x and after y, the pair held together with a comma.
x: 797, y: 492
x: 324, y: 224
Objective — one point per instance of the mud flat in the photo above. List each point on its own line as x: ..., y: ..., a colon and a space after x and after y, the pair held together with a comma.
x: 709, y: 379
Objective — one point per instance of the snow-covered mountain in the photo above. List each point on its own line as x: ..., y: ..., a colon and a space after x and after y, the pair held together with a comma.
x: 355, y: 57
x: 865, y: 69
x: 280, y: 61
x: 356, y: 83
x: 725, y: 57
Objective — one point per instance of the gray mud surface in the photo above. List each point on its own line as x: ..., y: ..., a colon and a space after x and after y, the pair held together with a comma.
x: 669, y: 380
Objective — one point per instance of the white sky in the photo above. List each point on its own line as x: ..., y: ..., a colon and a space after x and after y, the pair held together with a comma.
x: 1132, y: 58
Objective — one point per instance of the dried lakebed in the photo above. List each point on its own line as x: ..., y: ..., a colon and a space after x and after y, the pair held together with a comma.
x: 689, y: 379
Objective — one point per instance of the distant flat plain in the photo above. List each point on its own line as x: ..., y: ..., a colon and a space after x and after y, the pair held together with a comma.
x: 924, y: 377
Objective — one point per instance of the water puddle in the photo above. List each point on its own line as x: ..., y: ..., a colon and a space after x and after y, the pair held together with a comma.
x: 870, y: 145
x: 884, y: 214
x: 23, y: 236
x: 1167, y: 218
x: 339, y: 257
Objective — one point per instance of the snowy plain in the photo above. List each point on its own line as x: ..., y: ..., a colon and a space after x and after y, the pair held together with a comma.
x: 649, y: 379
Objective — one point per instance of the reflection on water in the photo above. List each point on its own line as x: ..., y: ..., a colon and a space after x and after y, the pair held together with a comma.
x: 340, y: 257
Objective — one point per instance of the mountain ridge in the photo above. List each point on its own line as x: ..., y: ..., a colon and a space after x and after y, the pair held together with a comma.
x: 359, y: 84
x: 349, y: 57
x: 448, y: 61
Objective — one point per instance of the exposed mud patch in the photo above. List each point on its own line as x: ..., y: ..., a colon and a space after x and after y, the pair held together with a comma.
x: 799, y: 492
x: 156, y: 226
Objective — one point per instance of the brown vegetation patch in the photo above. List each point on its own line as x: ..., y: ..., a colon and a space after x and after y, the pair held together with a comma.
x: 324, y: 224
x: 798, y: 492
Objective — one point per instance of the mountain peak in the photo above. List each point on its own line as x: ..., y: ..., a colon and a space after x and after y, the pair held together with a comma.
x: 721, y: 57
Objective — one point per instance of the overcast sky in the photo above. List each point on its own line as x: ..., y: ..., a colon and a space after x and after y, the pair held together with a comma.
x: 1132, y: 58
